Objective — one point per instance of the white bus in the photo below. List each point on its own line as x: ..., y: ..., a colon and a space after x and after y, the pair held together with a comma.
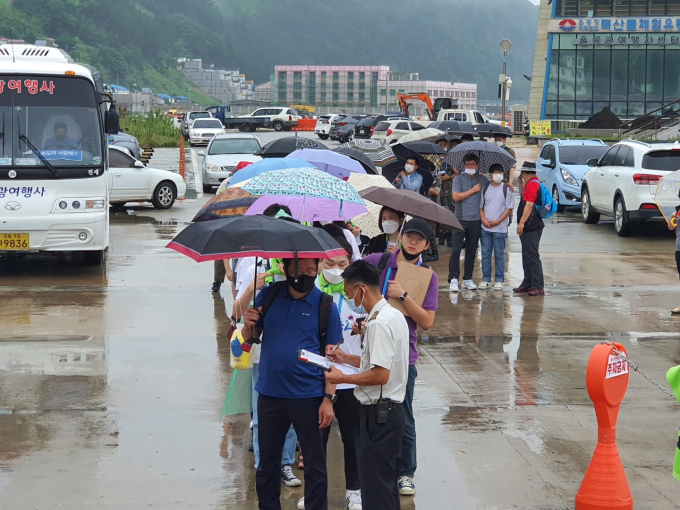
x: 53, y: 154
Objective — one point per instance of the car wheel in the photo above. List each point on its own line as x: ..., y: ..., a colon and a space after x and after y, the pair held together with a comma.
x: 248, y: 128
x: 323, y: 137
x: 556, y: 199
x: 164, y: 195
x: 622, y: 224
x: 93, y: 258
x: 278, y: 126
x: 287, y: 129
x: 207, y: 189
x: 589, y: 216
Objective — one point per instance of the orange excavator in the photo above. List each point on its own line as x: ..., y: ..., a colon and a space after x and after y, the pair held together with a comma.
x: 440, y: 103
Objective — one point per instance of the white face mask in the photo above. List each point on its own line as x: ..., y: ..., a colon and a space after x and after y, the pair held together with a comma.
x: 333, y: 275
x: 390, y: 227
x: 500, y: 143
x: 409, y: 169
x: 471, y: 171
x: 497, y: 178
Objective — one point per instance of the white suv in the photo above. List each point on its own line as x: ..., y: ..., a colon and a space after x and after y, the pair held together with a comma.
x: 323, y: 125
x: 281, y: 118
x: 622, y: 183
x: 389, y: 132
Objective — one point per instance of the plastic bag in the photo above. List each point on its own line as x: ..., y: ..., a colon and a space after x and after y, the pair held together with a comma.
x: 239, y: 397
x: 238, y: 358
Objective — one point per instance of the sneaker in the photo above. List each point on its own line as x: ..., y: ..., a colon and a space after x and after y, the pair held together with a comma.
x: 484, y: 285
x: 406, y: 486
x: 216, y: 286
x: 453, y: 287
x: 521, y: 289
x: 301, y: 504
x: 675, y: 311
x: 469, y: 284
x: 498, y: 286
x: 537, y: 292
x: 289, y: 478
x: 353, y: 500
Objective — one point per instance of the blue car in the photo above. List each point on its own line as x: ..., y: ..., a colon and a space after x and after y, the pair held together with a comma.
x: 562, y: 164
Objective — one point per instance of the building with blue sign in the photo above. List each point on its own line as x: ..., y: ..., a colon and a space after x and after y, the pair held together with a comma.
x: 591, y: 54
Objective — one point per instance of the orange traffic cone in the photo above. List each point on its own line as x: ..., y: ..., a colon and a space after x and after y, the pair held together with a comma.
x: 605, y: 485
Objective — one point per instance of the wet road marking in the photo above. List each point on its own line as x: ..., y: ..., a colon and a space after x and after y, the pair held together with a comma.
x: 198, y: 178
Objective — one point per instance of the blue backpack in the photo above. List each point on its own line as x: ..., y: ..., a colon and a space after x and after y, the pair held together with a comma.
x: 548, y: 206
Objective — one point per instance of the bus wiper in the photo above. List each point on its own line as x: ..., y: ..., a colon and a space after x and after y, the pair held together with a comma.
x: 42, y: 158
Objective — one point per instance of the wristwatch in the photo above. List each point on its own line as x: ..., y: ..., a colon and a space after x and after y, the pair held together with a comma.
x: 403, y: 297
x: 332, y: 398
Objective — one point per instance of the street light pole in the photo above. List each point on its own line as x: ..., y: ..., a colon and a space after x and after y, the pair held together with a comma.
x: 506, y: 45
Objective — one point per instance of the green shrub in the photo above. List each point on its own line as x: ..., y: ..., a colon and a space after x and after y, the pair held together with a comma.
x: 154, y: 129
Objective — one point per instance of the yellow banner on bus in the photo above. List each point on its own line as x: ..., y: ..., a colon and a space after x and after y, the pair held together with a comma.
x: 539, y: 128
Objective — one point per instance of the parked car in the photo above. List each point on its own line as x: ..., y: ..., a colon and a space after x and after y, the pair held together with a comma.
x: 390, y: 131
x: 126, y: 140
x: 203, y: 130
x: 562, y: 164
x: 281, y: 118
x: 189, y: 119
x: 224, y: 153
x: 323, y: 125
x: 342, y: 128
x: 365, y: 127
x: 623, y: 182
x: 131, y: 181
x: 472, y: 116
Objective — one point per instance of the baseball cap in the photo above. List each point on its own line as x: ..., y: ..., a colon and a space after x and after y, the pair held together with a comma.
x: 418, y: 225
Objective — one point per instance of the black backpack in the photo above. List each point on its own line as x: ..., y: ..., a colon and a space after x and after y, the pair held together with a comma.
x: 324, y: 311
x: 505, y: 194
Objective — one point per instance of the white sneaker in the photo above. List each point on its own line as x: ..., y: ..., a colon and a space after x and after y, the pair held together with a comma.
x: 289, y: 478
x: 301, y: 504
x: 353, y: 500
x: 406, y: 486
x: 453, y: 287
x: 469, y: 284
x: 498, y: 286
x: 484, y: 285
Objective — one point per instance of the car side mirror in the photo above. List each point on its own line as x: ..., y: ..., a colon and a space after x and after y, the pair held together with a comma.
x: 201, y: 153
x: 550, y: 164
x: 112, y: 120
x: 138, y: 164
x: 592, y: 162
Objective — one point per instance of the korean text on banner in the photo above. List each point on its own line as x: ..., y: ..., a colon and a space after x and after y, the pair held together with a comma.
x: 539, y: 128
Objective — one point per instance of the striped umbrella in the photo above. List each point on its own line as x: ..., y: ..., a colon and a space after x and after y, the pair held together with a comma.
x: 378, y: 153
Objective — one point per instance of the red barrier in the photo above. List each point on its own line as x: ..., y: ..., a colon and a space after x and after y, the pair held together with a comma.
x: 605, y: 485
x: 305, y: 125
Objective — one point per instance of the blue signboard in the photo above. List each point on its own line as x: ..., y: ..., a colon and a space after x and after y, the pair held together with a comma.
x: 67, y: 154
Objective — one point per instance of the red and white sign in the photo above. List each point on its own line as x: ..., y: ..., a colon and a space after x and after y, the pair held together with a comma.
x: 616, y: 366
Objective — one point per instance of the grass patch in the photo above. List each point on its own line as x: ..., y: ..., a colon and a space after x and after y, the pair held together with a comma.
x: 154, y: 129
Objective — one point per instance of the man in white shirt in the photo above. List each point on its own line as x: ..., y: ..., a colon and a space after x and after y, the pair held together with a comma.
x: 380, y: 386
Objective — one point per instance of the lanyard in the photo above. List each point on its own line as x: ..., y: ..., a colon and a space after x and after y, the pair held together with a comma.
x: 342, y: 299
x: 387, y: 279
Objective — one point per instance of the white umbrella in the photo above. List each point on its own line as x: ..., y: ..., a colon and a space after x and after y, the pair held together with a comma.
x: 419, y: 135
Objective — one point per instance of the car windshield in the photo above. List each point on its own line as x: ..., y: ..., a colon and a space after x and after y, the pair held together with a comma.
x: 199, y: 115
x: 58, y: 117
x: 207, y: 124
x: 382, y: 126
x: 580, y: 154
x: 665, y: 161
x: 234, y: 146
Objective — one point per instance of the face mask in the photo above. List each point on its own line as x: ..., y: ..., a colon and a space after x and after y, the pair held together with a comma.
x: 497, y: 178
x: 390, y: 227
x: 303, y: 285
x: 408, y: 256
x: 471, y: 171
x: 333, y: 275
x: 500, y: 143
x: 409, y: 169
x: 360, y: 310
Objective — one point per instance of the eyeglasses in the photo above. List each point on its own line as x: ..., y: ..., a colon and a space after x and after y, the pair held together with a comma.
x: 309, y: 272
x: 414, y: 237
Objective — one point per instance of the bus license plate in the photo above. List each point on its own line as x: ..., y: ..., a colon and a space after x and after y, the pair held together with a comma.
x: 14, y: 241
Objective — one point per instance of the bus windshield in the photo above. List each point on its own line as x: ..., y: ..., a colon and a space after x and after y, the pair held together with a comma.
x: 49, y: 118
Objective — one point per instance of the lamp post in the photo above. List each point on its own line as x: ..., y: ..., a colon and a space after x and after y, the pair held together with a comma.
x: 506, y: 45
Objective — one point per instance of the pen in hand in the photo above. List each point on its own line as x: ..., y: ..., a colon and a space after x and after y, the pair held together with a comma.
x: 338, y: 345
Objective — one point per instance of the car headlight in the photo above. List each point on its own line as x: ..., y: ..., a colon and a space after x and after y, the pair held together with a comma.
x: 568, y: 178
x: 79, y: 204
x: 210, y: 167
x: 134, y: 140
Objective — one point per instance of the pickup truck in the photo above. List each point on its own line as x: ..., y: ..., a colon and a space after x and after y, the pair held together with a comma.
x: 472, y: 116
x: 221, y: 112
x: 247, y: 124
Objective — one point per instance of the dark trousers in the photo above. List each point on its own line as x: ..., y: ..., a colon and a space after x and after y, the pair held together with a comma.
x: 409, y: 458
x: 531, y: 260
x: 378, y: 453
x: 219, y: 272
x: 677, y: 261
x: 275, y: 416
x: 472, y: 231
x: 347, y: 413
x: 434, y: 245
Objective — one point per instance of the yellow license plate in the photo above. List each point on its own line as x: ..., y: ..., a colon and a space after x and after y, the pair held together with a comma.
x: 14, y: 241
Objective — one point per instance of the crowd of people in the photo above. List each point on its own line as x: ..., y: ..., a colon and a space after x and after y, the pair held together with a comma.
x: 353, y: 310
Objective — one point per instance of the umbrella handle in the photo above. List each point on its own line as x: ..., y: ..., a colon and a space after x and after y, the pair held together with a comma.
x: 674, y: 222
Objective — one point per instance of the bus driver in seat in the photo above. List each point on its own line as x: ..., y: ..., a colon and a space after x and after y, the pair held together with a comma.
x: 60, y: 139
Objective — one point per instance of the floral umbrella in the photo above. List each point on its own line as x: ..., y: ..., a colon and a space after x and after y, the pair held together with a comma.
x: 368, y: 222
x: 231, y: 202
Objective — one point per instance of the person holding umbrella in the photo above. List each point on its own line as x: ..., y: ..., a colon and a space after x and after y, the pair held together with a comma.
x: 409, y: 178
x: 389, y: 222
x: 508, y: 175
x: 673, y: 225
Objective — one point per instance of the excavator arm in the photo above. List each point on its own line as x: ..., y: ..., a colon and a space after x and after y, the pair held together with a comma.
x: 403, y: 98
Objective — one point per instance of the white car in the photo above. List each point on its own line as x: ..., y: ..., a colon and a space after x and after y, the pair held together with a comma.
x: 323, y: 125
x: 623, y: 182
x: 224, y: 154
x: 389, y: 132
x: 201, y: 131
x: 281, y: 118
x: 131, y: 181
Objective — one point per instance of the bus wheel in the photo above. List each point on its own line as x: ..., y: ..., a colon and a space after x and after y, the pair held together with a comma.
x: 93, y: 258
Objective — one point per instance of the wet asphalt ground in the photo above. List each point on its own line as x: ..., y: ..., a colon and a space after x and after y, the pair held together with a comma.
x: 112, y: 378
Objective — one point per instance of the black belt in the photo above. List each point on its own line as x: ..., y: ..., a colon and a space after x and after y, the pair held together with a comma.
x: 372, y: 407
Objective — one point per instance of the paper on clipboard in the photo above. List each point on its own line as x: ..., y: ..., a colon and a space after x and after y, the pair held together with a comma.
x: 325, y: 363
x: 415, y: 280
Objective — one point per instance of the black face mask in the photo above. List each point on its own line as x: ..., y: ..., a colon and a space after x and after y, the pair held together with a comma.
x: 303, y: 285
x: 408, y: 256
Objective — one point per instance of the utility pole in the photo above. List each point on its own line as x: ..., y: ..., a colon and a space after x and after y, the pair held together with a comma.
x: 506, y: 45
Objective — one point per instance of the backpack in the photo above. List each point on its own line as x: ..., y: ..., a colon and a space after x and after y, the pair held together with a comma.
x: 505, y: 194
x: 324, y: 311
x: 382, y: 264
x: 548, y: 206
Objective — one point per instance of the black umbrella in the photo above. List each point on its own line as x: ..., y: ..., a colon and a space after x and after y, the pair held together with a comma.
x: 453, y: 127
x: 488, y: 130
x: 359, y: 156
x: 254, y: 236
x: 425, y: 168
x: 488, y: 153
x: 420, y: 147
x: 281, y: 147
x: 411, y: 203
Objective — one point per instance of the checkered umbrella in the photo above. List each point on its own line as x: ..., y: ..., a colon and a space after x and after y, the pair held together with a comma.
x: 488, y: 153
x: 378, y: 153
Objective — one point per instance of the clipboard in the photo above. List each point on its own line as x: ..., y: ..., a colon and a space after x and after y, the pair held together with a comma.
x: 415, y: 280
x: 325, y: 363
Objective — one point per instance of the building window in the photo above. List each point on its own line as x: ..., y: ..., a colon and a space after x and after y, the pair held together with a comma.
x: 335, y: 75
x: 282, y: 96
x: 323, y: 96
x: 335, y: 96
x: 297, y: 96
x: 297, y: 75
x: 362, y: 97
x: 335, y: 85
x: 383, y: 92
x: 350, y: 76
x: 283, y: 75
x: 297, y: 86
x: 619, y: 8
x: 350, y: 97
x: 323, y: 74
x: 393, y: 93
x: 362, y: 75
